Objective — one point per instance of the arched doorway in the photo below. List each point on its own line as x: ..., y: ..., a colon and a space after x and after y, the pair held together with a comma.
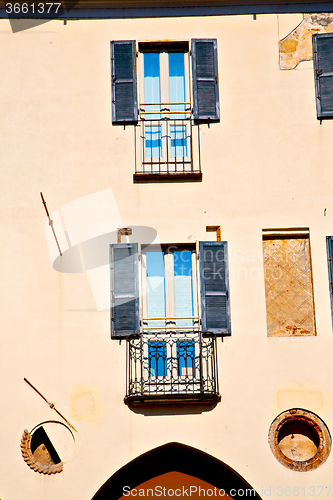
x: 170, y: 471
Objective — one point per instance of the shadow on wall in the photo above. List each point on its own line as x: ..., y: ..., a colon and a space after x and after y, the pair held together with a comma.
x: 169, y: 409
x: 85, y: 228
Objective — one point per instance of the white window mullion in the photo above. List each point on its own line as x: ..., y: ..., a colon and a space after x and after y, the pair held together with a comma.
x: 169, y: 288
x: 164, y: 68
x: 164, y: 72
x: 143, y: 273
x: 195, y: 289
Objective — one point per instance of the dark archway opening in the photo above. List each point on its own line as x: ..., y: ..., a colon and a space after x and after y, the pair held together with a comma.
x: 176, y: 457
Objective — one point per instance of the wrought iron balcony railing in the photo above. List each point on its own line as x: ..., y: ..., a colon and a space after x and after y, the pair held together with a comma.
x: 167, y: 142
x: 174, y: 367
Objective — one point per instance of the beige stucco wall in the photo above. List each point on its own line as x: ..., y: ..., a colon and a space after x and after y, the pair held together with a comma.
x: 267, y: 164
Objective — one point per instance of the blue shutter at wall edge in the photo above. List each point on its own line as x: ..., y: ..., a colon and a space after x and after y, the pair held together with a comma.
x: 214, y: 285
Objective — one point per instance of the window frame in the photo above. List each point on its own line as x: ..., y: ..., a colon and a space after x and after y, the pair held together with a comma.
x: 210, y: 319
x: 169, y: 288
x: 165, y: 135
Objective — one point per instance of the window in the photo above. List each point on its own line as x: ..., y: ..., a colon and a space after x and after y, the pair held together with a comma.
x: 169, y: 287
x: 288, y: 283
x: 186, y: 358
x: 166, y: 111
x: 161, y: 292
x: 323, y: 69
x: 165, y: 105
x: 204, y: 77
x: 157, y: 358
x: 170, y: 302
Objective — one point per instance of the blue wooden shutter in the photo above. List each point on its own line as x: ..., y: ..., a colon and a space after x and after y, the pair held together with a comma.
x: 124, y: 290
x: 214, y: 284
x: 329, y: 242
x: 124, y: 92
x: 206, y: 106
x: 323, y: 69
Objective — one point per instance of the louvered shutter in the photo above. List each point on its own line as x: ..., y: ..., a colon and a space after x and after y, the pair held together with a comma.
x: 329, y: 241
x: 124, y: 290
x: 323, y: 69
x: 214, y: 284
x: 124, y: 92
x: 206, y: 106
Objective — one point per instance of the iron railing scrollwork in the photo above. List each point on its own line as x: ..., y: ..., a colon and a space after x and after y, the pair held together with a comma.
x: 171, y: 364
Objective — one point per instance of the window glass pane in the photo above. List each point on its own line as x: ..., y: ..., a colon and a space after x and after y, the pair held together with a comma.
x: 153, y: 142
x: 186, y: 358
x: 157, y: 359
x: 177, y: 81
x: 155, y: 288
x: 178, y: 141
x: 153, y: 145
x: 183, y: 286
x: 152, y: 82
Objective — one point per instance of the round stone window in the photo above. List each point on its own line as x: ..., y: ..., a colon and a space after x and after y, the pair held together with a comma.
x: 47, y: 447
x: 299, y: 440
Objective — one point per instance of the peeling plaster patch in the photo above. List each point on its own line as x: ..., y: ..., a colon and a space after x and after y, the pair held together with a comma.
x: 306, y: 399
x: 288, y: 284
x: 297, y: 46
x: 85, y: 404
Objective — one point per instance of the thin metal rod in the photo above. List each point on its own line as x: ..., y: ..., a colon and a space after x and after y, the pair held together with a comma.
x: 51, y: 223
x: 162, y: 112
x: 173, y: 317
x: 165, y: 163
x: 169, y: 327
x: 51, y: 405
x: 162, y: 103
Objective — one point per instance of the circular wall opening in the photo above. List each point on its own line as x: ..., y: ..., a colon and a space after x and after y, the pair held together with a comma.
x: 47, y: 446
x: 299, y: 439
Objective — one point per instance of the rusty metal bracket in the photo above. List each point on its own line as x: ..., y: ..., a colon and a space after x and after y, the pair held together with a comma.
x: 214, y: 229
x: 123, y: 231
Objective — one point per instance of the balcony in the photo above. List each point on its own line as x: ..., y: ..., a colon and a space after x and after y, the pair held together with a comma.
x: 167, y: 144
x: 176, y: 367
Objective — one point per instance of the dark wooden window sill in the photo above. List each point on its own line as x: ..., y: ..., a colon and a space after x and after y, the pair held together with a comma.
x: 172, y: 399
x: 167, y: 177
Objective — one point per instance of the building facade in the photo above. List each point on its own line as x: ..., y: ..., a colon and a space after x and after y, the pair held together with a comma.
x: 167, y: 224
